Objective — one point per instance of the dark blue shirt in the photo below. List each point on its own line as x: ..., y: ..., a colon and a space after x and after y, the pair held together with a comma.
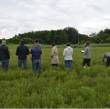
x: 36, y: 53
x: 4, y: 53
x: 22, y: 52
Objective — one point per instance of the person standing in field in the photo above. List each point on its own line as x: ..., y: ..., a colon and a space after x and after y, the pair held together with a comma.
x: 0, y: 53
x: 106, y: 58
x: 4, y: 55
x: 36, y: 57
x: 22, y: 51
x: 68, y: 57
x: 54, y: 56
x: 87, y: 55
x: 40, y: 47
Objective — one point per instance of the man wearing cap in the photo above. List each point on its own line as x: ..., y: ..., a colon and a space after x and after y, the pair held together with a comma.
x: 4, y: 55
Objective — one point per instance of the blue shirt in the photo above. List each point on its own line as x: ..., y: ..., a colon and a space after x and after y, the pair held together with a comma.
x: 36, y: 53
x: 22, y: 52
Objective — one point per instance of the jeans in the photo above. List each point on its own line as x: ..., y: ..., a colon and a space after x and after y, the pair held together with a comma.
x: 36, y: 65
x: 68, y: 64
x: 5, y: 64
x: 22, y: 64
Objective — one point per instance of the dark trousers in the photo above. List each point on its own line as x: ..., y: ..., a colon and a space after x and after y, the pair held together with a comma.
x: 22, y: 64
x: 54, y: 65
x: 5, y: 64
x: 86, y: 62
x: 108, y: 61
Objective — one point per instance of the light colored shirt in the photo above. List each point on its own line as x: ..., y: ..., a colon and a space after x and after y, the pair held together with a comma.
x: 54, y: 51
x: 106, y: 55
x: 87, y: 53
x: 54, y: 55
x: 68, y: 53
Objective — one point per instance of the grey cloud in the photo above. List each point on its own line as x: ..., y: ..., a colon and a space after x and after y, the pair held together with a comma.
x: 26, y: 15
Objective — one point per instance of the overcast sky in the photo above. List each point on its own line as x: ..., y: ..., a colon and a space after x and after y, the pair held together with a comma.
x: 19, y: 16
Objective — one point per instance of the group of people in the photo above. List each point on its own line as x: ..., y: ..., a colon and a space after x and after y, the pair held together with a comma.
x: 68, y: 56
x: 23, y: 51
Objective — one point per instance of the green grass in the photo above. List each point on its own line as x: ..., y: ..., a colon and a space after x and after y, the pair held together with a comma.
x: 80, y: 88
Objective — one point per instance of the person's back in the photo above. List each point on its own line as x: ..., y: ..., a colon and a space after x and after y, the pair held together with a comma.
x: 0, y: 54
x: 4, y: 52
x: 54, y: 55
x: 0, y: 48
x: 54, y: 51
x: 4, y: 55
x: 36, y: 53
x: 87, y: 53
x: 68, y: 57
x: 22, y: 52
x: 68, y: 52
x: 36, y: 58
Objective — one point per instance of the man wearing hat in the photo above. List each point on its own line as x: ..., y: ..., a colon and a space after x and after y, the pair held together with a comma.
x: 4, y: 55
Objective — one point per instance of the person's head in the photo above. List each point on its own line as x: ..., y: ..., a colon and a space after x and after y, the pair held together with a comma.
x: 36, y: 41
x: 68, y: 44
x: 22, y: 42
x: 0, y: 41
x: 53, y: 44
x: 87, y: 43
x: 35, y: 44
x: 3, y: 42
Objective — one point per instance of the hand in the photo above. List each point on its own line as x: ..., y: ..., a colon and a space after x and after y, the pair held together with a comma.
x: 51, y: 56
x: 82, y: 51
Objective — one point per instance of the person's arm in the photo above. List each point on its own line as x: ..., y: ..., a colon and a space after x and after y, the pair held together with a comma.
x: 40, y: 52
x: 72, y: 50
x: 86, y: 51
x: 17, y: 50
x: 27, y: 51
x: 64, y: 52
x: 104, y: 57
x: 31, y: 54
x: 52, y: 52
x: 56, y: 51
x: 8, y: 53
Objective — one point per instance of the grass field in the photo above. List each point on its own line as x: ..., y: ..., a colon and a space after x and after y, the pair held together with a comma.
x: 56, y: 87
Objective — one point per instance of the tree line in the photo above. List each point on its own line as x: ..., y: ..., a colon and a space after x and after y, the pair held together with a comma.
x: 102, y: 37
x: 62, y: 36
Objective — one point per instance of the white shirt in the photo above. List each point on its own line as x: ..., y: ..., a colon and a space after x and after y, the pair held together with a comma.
x: 68, y: 53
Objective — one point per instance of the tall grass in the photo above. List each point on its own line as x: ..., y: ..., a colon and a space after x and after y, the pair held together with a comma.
x: 80, y: 88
